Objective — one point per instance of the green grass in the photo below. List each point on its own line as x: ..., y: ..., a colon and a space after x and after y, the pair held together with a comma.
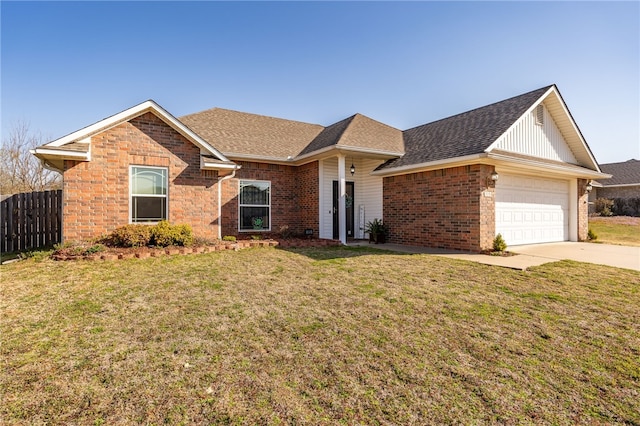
x: 317, y: 336
x: 616, y: 230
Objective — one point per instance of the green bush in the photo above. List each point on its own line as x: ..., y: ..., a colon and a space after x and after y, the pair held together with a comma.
x: 131, y: 236
x: 229, y: 238
x: 604, y: 206
x: 164, y: 234
x: 499, y: 244
x: 592, y: 235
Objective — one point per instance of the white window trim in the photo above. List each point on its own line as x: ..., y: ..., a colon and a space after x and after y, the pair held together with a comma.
x: 240, y: 181
x: 166, y: 196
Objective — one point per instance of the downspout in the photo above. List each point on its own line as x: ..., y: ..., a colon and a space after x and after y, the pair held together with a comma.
x: 220, y: 180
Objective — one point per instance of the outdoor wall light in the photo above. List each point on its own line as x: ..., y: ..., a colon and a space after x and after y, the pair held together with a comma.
x: 493, y: 178
x: 588, y: 188
x: 352, y: 169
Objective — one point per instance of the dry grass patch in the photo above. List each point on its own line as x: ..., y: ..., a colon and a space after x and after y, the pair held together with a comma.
x: 620, y: 230
x: 318, y: 336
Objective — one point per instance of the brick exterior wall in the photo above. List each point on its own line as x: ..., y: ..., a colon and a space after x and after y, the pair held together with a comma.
x: 583, y: 210
x: 294, y: 197
x: 448, y: 208
x: 96, y: 193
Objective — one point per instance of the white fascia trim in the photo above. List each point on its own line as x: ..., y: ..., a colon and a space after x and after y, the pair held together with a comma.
x: 576, y: 129
x: 61, y: 153
x: 566, y: 169
x: 351, y: 150
x: 431, y: 165
x: 619, y: 185
x: 135, y: 111
x: 315, y: 155
x: 205, y: 165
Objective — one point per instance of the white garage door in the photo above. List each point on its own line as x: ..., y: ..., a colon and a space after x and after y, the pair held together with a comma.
x: 532, y: 210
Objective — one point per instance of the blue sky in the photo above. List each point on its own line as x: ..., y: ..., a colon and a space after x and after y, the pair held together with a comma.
x: 66, y: 65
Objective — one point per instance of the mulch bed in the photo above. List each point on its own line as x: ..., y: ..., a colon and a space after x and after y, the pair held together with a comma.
x: 115, y: 253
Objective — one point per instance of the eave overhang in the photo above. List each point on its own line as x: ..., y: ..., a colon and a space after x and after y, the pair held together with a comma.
x: 503, y: 161
x: 327, y: 152
x: 53, y: 158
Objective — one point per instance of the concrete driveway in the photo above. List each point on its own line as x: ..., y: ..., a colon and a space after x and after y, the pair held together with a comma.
x: 537, y: 254
x: 602, y: 254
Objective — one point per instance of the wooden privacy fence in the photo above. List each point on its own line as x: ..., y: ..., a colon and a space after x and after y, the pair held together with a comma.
x: 30, y: 220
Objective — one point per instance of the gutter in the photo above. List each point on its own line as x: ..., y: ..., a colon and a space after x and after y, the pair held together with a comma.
x: 220, y: 180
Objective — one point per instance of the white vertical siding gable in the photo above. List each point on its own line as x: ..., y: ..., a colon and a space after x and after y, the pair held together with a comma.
x: 544, y: 140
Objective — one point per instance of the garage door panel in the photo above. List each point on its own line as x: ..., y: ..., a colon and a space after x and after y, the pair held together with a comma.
x: 532, y: 210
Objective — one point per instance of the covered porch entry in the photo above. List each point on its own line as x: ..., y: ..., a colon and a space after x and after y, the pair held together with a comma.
x: 349, y: 196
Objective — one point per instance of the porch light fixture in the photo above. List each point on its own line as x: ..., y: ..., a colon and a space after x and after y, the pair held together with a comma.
x: 588, y: 188
x: 352, y: 169
x: 493, y: 178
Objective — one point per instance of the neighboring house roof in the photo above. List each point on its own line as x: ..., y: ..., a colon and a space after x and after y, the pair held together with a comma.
x: 626, y: 173
x: 77, y: 145
x: 244, y: 135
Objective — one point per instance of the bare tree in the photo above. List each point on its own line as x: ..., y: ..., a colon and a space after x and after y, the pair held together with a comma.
x: 20, y: 171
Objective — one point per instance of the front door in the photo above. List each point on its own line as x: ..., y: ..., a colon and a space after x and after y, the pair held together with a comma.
x: 336, y: 208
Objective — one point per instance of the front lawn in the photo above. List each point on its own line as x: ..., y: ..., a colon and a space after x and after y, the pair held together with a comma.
x: 317, y: 336
x: 621, y: 230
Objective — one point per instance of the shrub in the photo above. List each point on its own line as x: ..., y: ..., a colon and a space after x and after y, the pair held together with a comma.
x: 131, y: 236
x: 604, y: 206
x: 626, y: 206
x: 592, y: 235
x: 499, y: 244
x: 286, y: 232
x: 164, y: 234
x: 230, y: 238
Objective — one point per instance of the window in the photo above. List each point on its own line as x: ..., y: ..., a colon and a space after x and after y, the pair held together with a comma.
x: 255, y: 205
x: 148, y: 194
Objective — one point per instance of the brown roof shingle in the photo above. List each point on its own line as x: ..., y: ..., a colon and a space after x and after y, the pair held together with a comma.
x: 240, y: 133
x: 234, y: 132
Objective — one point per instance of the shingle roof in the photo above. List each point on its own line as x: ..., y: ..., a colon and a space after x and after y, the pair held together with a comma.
x: 329, y: 136
x: 471, y: 132
x: 363, y: 132
x: 625, y: 173
x: 234, y: 132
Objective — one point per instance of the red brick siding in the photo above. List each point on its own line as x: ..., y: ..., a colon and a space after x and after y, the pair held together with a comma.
x: 96, y: 193
x: 294, y: 196
x: 583, y: 210
x: 444, y: 208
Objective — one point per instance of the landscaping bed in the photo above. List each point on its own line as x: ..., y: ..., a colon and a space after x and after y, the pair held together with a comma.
x: 91, y: 251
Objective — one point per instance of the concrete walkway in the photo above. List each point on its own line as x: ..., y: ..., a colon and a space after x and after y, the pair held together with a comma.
x: 535, y: 254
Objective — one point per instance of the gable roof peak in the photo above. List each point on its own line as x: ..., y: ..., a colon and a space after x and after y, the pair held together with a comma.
x: 537, y: 94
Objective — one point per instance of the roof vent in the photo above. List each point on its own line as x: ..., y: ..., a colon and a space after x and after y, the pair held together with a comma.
x: 540, y: 115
